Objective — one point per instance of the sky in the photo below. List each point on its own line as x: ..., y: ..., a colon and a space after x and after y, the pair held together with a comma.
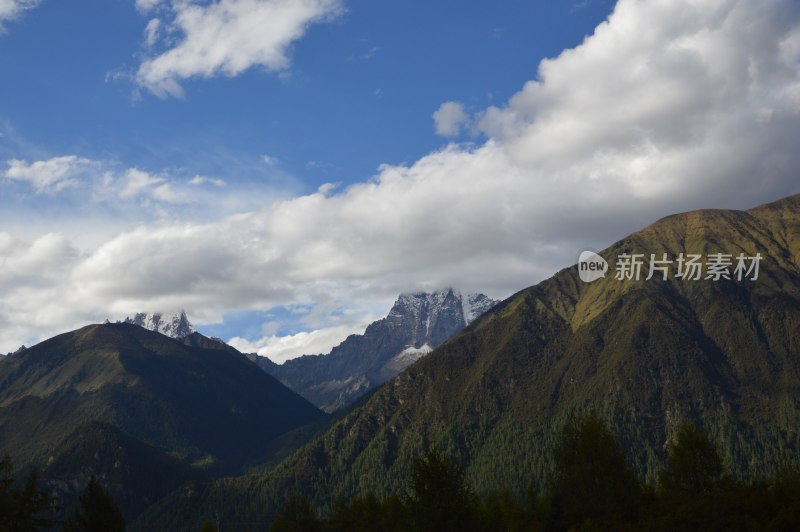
x: 283, y: 169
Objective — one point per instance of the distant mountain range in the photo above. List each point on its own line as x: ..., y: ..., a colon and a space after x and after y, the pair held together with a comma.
x: 142, y: 411
x: 148, y: 403
x: 416, y: 324
x: 645, y: 355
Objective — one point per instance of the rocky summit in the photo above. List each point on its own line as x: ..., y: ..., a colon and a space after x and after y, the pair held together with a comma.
x: 416, y: 324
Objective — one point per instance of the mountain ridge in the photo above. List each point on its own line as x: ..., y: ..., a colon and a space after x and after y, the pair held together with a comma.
x: 646, y: 356
x: 69, y: 403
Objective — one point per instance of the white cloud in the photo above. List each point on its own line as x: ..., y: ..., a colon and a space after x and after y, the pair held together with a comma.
x: 146, y: 6
x: 449, y: 118
x: 137, y: 182
x: 282, y: 348
x: 227, y: 37
x: 665, y: 115
x: 168, y: 194
x: 86, y: 182
x: 199, y: 180
x: 269, y: 159
x: 52, y: 175
x: 33, y: 275
x: 11, y: 9
x: 668, y: 106
x: 151, y: 32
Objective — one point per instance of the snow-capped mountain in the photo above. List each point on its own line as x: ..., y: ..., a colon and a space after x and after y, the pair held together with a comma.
x: 172, y: 325
x: 416, y: 324
x: 434, y: 317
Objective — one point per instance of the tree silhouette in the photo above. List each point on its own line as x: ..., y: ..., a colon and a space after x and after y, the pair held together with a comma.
x: 591, y: 477
x: 439, y: 497
x: 694, y: 466
x: 20, y: 509
x: 97, y: 512
x: 368, y: 513
x: 297, y: 516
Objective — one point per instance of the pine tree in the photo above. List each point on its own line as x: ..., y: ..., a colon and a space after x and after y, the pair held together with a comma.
x: 297, y: 516
x: 439, y: 497
x: 97, y: 512
x: 591, y: 478
x: 21, y: 509
x: 694, y: 466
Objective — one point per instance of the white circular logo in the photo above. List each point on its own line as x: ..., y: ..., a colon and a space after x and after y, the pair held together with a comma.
x: 591, y: 266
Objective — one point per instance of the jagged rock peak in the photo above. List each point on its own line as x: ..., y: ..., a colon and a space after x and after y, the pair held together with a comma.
x: 468, y: 305
x: 18, y: 351
x: 174, y: 326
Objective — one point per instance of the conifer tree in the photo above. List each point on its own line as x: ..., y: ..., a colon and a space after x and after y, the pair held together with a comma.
x: 97, y: 512
x: 439, y: 497
x: 591, y: 478
x: 694, y: 466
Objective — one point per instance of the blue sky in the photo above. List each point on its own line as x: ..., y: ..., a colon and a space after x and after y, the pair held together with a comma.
x: 359, y: 92
x: 283, y: 169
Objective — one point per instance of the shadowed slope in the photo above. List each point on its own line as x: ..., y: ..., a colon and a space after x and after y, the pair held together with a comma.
x: 71, y: 402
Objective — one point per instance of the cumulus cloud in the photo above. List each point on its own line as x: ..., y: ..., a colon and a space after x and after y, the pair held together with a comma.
x: 33, y: 276
x: 227, y: 37
x: 11, y: 9
x: 52, y: 175
x: 667, y: 106
x: 449, y: 118
x: 696, y: 106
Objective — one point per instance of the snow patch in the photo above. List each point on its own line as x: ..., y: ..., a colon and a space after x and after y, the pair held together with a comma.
x: 405, y: 358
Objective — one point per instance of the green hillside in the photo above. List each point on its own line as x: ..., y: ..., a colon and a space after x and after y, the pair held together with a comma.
x: 140, y: 410
x: 646, y: 355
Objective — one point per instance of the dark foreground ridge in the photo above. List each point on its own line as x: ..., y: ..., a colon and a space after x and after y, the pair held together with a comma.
x: 140, y: 411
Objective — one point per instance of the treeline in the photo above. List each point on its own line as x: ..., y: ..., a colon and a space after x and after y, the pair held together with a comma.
x: 28, y: 508
x: 591, y: 487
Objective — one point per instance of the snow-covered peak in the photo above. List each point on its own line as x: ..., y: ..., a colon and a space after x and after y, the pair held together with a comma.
x: 470, y: 305
x: 434, y: 317
x: 475, y: 305
x: 174, y: 326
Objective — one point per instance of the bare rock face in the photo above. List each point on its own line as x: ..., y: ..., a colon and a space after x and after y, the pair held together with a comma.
x: 416, y: 324
x: 175, y: 326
